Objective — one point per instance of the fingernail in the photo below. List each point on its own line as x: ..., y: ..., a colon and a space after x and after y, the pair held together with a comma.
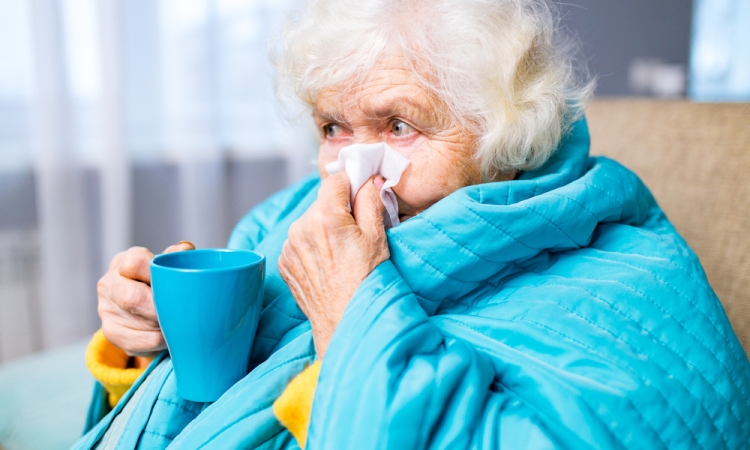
x: 186, y: 242
x: 379, y: 182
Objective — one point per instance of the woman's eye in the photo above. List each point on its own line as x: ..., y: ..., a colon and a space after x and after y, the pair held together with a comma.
x: 400, y: 129
x: 332, y: 130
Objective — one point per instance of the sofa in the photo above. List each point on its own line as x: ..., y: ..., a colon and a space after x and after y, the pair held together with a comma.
x: 694, y: 157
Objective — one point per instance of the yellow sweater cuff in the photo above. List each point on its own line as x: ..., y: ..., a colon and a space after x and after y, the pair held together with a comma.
x: 108, y: 364
x: 294, y: 405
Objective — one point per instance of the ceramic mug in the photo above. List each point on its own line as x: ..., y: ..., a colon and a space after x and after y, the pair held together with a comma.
x: 208, y: 303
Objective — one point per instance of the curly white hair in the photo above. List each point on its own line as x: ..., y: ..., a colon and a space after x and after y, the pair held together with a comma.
x: 500, y: 66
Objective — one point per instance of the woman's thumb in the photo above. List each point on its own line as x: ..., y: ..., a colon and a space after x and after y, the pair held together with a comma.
x: 368, y: 209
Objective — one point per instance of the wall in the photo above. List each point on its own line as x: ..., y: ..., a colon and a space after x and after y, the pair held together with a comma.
x: 614, y: 33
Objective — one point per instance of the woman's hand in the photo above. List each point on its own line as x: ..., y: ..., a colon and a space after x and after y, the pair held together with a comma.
x: 329, y: 253
x: 126, y: 303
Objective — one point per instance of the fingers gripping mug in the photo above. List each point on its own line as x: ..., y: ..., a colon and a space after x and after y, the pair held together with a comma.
x: 208, y: 303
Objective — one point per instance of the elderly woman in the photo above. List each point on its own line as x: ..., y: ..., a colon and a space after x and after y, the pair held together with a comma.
x: 531, y: 297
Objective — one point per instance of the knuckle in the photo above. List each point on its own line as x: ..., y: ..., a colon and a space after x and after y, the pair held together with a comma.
x: 132, y: 252
x: 284, y: 262
x: 333, y: 184
x: 330, y: 180
x: 284, y: 251
x: 116, y: 260
x: 329, y: 220
x: 134, y: 259
x: 317, y: 215
x: 283, y: 272
x: 321, y: 219
x: 102, y: 286
x: 130, y: 300
x: 284, y: 257
x: 295, y: 232
x: 128, y: 265
x: 293, y: 228
x: 337, y: 178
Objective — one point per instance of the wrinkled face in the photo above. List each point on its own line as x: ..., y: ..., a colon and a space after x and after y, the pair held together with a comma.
x: 393, y: 107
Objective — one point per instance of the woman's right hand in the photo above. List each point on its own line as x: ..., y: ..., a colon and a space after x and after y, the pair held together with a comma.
x: 126, y: 302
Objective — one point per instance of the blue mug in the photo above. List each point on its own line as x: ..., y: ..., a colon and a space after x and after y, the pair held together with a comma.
x: 208, y: 303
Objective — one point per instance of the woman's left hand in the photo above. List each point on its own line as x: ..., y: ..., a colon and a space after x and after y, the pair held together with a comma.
x: 329, y: 252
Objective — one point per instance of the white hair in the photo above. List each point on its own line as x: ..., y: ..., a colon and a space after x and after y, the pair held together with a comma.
x: 498, y: 66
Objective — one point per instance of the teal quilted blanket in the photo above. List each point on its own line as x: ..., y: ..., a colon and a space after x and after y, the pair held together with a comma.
x: 559, y: 310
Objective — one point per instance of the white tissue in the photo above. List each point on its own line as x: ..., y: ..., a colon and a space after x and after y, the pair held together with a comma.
x: 361, y: 161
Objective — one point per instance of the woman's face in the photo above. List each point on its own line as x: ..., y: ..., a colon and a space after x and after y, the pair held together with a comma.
x: 393, y: 107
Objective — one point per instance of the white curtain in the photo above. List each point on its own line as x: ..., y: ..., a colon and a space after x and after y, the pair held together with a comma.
x: 65, y: 305
x: 90, y: 89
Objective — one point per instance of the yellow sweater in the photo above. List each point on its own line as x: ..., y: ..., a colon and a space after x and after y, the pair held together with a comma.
x: 108, y: 364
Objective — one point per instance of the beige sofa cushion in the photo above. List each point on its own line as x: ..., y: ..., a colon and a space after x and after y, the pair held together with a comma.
x: 695, y: 158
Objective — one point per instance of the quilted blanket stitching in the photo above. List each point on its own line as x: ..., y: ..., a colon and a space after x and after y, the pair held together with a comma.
x: 680, y: 324
x: 617, y: 168
x: 410, y: 250
x: 528, y: 208
x: 157, y: 434
x: 632, y: 346
x: 298, y: 319
x: 712, y: 322
x: 497, y: 227
x: 578, y: 203
x: 255, y: 411
x: 591, y: 349
x: 178, y: 405
x: 604, y: 191
x: 744, y: 424
x: 706, y: 289
x: 593, y: 410
x: 461, y: 246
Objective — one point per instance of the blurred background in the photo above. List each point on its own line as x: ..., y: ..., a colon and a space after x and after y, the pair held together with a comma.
x: 146, y: 122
